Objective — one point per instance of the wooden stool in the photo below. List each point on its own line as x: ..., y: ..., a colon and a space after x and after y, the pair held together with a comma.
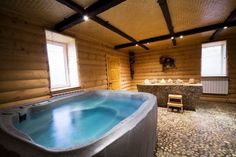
x: 175, y: 100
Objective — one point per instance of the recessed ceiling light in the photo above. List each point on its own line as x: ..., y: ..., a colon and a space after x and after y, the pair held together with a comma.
x: 225, y: 27
x: 148, y: 43
x: 136, y: 44
x: 181, y: 37
x: 86, y: 18
x: 172, y: 38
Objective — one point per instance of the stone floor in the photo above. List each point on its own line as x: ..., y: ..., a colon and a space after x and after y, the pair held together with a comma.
x: 208, y: 131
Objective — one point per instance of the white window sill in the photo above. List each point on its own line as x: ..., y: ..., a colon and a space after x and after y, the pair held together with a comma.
x: 214, y: 76
x: 64, y: 89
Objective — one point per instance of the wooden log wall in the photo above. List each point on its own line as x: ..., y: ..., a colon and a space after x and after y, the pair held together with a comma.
x: 231, y: 50
x: 188, y: 65
x: 93, y: 67
x: 23, y: 62
x: 24, y: 76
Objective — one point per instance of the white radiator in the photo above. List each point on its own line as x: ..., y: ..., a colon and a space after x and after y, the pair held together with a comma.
x: 215, y: 85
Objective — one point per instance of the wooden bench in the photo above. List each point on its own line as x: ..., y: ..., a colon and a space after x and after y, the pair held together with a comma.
x: 175, y: 100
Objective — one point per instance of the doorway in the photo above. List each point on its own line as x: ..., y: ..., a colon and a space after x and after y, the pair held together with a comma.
x: 113, y: 72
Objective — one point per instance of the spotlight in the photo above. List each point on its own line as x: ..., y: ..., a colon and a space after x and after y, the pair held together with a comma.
x: 136, y: 44
x: 86, y: 18
x: 172, y: 38
x: 225, y: 27
x: 181, y: 37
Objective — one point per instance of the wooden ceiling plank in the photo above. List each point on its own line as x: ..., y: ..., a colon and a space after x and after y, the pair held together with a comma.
x: 231, y: 17
x: 96, y: 8
x: 166, y: 13
x: 184, y: 33
x: 81, y: 11
x: 101, y: 6
x: 74, y: 6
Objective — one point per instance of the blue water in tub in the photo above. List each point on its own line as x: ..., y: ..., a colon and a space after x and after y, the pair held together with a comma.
x: 77, y: 120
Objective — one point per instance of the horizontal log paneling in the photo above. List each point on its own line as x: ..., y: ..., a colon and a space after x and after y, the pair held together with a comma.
x: 22, y: 84
x: 12, y: 75
x: 6, y: 43
x: 26, y: 101
x: 21, y: 35
x: 92, y: 63
x: 188, y: 65
x: 24, y: 58
x: 24, y: 66
x: 15, y: 23
x: 16, y: 95
x: 23, y: 62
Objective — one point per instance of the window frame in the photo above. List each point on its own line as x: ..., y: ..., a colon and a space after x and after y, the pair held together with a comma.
x: 66, y: 67
x: 223, y: 44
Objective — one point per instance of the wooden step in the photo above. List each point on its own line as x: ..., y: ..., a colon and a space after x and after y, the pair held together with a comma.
x: 175, y: 96
x: 175, y: 104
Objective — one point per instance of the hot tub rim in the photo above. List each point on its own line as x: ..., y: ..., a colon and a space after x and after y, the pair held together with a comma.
x: 143, y: 110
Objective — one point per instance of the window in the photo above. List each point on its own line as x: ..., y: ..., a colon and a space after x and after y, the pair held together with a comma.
x: 58, y: 65
x: 62, y: 60
x: 214, y: 60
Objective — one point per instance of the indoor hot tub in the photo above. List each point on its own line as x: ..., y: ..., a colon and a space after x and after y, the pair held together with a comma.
x: 85, y: 124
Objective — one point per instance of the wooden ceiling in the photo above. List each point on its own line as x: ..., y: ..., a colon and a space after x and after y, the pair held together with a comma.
x: 196, y: 13
x: 141, y: 19
x: 94, y: 30
x: 138, y: 18
x: 47, y: 12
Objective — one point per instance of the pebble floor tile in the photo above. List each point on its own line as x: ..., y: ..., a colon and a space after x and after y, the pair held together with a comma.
x: 210, y: 131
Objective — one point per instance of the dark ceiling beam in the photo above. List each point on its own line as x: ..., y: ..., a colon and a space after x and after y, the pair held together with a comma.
x: 231, y: 17
x: 94, y: 9
x: 165, y: 10
x: 184, y: 33
x: 116, y: 30
x: 69, y: 22
x: 81, y: 11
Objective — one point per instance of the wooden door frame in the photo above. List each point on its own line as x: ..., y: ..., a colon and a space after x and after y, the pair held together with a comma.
x: 107, y: 66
